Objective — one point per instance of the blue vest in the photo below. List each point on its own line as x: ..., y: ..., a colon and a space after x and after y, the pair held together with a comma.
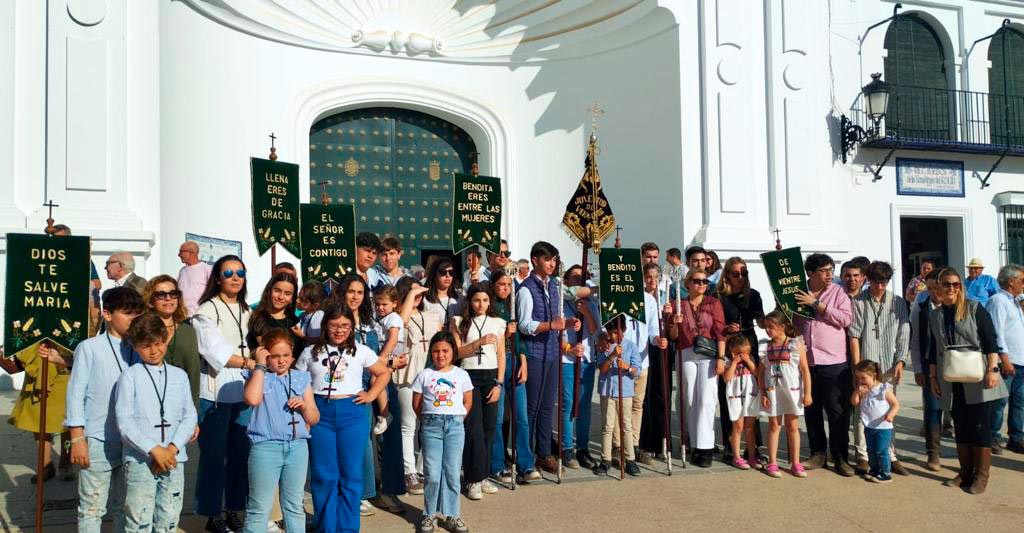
x: 545, y: 345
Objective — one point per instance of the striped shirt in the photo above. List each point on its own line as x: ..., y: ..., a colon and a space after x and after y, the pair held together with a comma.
x: 883, y: 329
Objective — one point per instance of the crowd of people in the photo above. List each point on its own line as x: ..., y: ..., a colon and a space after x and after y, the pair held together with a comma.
x: 393, y: 382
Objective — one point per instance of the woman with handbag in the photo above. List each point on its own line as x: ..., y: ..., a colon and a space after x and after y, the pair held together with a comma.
x: 697, y: 330
x: 965, y: 375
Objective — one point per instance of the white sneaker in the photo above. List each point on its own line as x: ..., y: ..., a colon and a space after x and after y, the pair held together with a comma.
x: 487, y: 487
x: 382, y: 424
x: 365, y: 509
x: 474, y: 491
x: 272, y: 527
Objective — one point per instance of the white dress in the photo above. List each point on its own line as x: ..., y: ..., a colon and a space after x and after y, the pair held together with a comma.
x: 741, y: 394
x: 783, y: 385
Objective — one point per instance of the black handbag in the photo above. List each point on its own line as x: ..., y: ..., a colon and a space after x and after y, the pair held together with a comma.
x: 702, y: 346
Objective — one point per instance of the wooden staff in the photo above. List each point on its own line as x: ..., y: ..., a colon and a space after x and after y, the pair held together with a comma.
x: 622, y: 424
x: 42, y: 387
x: 576, y: 370
x: 666, y: 388
x: 558, y: 363
x: 273, y: 246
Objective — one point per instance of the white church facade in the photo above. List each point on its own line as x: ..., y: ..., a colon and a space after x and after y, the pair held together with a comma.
x: 723, y: 119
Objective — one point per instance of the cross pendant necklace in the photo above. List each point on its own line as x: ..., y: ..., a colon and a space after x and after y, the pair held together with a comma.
x: 332, y: 366
x: 163, y: 425
x: 423, y: 332
x: 480, y: 335
x: 290, y: 410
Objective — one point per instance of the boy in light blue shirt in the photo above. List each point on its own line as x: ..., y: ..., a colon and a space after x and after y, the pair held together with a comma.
x: 156, y: 418
x: 95, y: 440
x: 616, y: 356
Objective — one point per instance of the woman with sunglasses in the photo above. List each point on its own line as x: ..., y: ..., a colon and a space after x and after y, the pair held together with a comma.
x: 964, y: 323
x: 743, y: 309
x: 337, y: 444
x: 442, y: 297
x: 222, y: 484
x: 163, y: 297
x: 698, y: 330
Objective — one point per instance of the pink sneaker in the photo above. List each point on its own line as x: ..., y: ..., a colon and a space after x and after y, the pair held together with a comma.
x: 798, y: 470
x: 753, y: 461
x: 740, y: 463
x: 772, y: 470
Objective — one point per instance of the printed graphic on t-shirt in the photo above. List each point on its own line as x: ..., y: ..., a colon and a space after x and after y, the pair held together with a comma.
x: 443, y: 391
x: 339, y: 370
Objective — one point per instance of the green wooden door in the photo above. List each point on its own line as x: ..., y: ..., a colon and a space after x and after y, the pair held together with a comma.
x: 915, y: 65
x: 1006, y: 87
x: 395, y: 166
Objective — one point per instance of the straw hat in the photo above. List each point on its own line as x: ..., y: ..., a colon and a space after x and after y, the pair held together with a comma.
x: 975, y: 263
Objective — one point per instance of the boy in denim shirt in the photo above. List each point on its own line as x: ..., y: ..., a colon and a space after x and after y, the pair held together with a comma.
x: 616, y: 355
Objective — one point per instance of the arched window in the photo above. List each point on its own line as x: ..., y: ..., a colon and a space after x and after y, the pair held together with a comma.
x: 915, y: 65
x: 395, y: 167
x: 1006, y: 87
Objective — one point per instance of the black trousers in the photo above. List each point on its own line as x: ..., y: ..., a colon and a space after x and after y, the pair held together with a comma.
x: 652, y: 431
x: 480, y: 424
x: 831, y: 387
x: 972, y: 423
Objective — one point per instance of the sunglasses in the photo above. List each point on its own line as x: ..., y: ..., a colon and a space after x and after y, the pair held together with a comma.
x: 740, y: 274
x: 700, y: 281
x: 446, y: 273
x: 505, y: 253
x: 950, y: 284
x: 228, y: 273
x: 167, y: 295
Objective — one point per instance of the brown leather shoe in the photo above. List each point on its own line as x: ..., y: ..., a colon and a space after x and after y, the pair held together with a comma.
x: 982, y: 462
x: 862, y: 467
x: 899, y: 469
x: 843, y: 468
x: 548, y: 464
x: 816, y: 460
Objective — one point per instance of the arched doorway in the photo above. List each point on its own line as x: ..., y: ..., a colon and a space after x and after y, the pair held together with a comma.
x: 395, y: 166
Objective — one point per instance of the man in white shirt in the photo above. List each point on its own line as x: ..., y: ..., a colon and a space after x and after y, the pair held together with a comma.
x: 193, y: 276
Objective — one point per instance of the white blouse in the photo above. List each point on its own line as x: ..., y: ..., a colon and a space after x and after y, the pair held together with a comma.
x: 219, y: 383
x: 486, y: 358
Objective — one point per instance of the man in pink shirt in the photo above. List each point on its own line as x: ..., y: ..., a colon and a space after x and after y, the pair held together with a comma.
x: 192, y: 277
x: 831, y: 380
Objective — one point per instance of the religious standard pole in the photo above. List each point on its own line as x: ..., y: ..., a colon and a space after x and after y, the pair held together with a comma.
x: 273, y: 247
x: 329, y: 283
x: 510, y: 270
x: 43, y: 390
x: 622, y: 418
x: 561, y: 348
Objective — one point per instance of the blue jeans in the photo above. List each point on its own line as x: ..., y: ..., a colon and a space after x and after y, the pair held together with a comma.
x: 524, y: 455
x: 932, y: 404
x: 277, y: 464
x: 878, y: 441
x: 441, y: 440
x: 222, y: 480
x: 154, y: 500
x: 336, y: 450
x: 576, y: 434
x: 1015, y: 426
x: 101, y: 486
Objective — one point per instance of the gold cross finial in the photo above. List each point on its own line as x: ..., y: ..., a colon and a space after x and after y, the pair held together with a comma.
x: 595, y: 112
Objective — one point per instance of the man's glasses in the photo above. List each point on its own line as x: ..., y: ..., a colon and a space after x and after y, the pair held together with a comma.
x: 167, y: 295
x: 826, y: 270
x: 228, y: 273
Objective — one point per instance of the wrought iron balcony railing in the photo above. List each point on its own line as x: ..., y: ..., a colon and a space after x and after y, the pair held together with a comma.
x: 920, y: 118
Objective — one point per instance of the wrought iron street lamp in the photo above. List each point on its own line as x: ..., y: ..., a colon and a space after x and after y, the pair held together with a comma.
x: 876, y: 103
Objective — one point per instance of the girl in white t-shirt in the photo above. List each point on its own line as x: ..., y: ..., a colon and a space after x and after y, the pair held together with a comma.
x: 441, y: 397
x: 480, y: 338
x: 878, y: 408
x: 338, y: 443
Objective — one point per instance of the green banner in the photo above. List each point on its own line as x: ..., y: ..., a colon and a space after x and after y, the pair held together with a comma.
x: 622, y: 284
x: 328, y: 241
x: 476, y: 213
x: 275, y: 204
x: 47, y: 291
x: 785, y: 269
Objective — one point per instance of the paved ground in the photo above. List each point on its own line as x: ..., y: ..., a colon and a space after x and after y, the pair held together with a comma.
x: 719, y: 498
